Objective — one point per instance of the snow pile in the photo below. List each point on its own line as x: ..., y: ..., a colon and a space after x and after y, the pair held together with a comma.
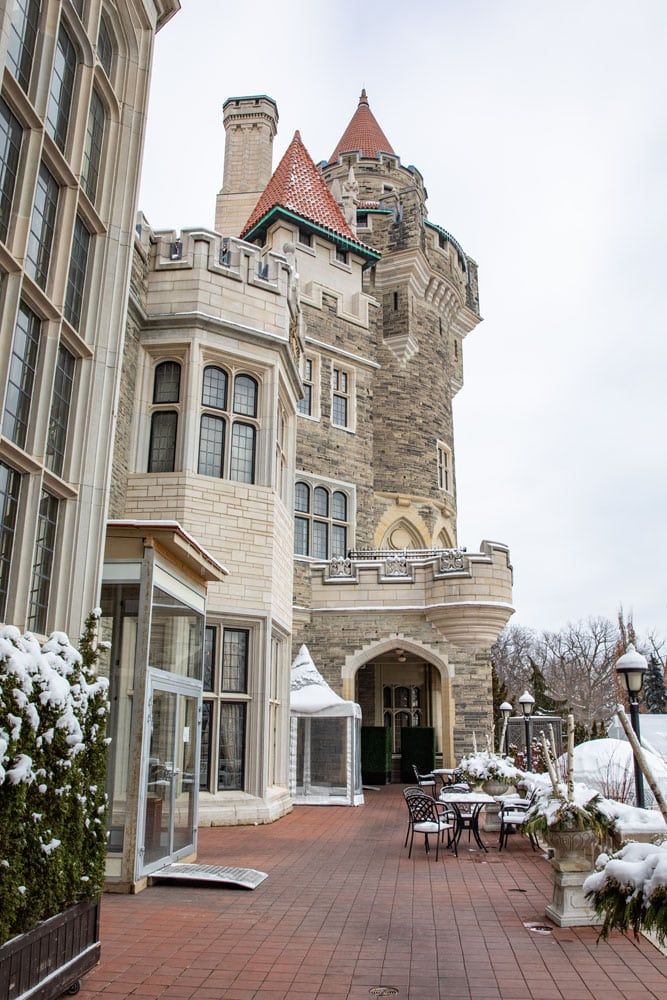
x: 608, y: 765
x: 487, y: 766
x: 585, y: 810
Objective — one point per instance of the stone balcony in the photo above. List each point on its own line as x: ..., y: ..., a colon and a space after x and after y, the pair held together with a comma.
x: 466, y: 595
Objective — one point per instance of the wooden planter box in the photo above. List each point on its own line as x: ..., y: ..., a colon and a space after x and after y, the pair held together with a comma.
x: 48, y: 960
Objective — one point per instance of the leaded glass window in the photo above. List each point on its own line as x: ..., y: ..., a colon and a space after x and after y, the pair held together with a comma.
x: 214, y: 388
x: 242, y: 461
x: 92, y: 154
x: 231, y: 747
x: 62, y: 90
x: 305, y: 405
x: 167, y: 384
x: 245, y: 396
x: 60, y: 409
x: 22, y: 38
x: 11, y: 135
x: 105, y: 46
x: 340, y: 403
x: 10, y: 490
x: 20, y: 382
x: 206, y: 745
x: 42, y: 227
x: 211, y: 446
x: 235, y: 660
x: 45, y: 546
x: 209, y: 657
x: 76, y: 279
x: 320, y: 530
x: 162, y: 448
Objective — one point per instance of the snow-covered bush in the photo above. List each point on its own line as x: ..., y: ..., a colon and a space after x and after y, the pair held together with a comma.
x: 556, y: 810
x: 629, y: 889
x: 487, y: 766
x: 53, y: 751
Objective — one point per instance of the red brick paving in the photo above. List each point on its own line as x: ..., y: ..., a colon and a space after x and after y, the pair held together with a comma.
x: 344, y: 910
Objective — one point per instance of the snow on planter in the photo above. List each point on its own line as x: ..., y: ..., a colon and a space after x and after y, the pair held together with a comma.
x: 630, y: 889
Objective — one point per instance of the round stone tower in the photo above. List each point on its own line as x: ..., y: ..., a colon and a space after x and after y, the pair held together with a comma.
x: 427, y: 288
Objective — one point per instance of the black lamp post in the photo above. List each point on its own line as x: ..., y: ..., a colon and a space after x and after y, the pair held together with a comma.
x: 506, y: 710
x: 527, y: 703
x: 632, y: 666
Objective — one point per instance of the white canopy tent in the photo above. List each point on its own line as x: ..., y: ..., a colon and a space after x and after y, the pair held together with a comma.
x: 325, y: 740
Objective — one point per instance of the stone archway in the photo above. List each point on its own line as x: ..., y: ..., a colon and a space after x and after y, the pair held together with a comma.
x: 442, y: 708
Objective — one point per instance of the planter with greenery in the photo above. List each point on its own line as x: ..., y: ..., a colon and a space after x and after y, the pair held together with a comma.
x: 53, y: 752
x: 493, y: 771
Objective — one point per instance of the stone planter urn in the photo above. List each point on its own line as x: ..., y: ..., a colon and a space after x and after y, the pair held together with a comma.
x: 572, y: 864
x: 492, y: 812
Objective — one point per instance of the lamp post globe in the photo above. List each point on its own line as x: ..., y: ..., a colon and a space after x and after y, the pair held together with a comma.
x: 505, y: 710
x: 527, y: 703
x: 631, y: 667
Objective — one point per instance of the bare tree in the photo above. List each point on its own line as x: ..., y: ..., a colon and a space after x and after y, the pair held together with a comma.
x: 515, y: 653
x: 580, y: 668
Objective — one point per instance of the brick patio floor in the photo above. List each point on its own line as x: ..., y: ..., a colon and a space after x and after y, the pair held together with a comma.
x: 344, y: 910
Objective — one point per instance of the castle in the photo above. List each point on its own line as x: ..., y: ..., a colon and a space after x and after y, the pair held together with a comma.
x: 268, y: 439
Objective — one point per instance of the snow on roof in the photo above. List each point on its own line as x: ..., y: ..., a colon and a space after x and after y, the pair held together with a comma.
x: 310, y: 693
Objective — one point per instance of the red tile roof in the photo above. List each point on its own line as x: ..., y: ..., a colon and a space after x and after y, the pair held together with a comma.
x: 363, y: 134
x: 298, y: 186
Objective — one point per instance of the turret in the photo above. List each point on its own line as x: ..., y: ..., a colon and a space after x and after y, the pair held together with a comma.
x: 250, y: 126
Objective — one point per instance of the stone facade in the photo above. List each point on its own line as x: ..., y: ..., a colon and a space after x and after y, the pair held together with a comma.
x: 69, y: 282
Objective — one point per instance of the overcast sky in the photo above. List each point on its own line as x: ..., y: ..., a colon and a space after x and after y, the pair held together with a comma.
x: 539, y: 128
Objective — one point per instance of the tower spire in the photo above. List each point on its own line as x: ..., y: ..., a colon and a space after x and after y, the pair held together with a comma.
x: 363, y: 134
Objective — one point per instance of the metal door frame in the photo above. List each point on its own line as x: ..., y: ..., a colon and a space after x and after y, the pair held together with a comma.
x: 188, y: 688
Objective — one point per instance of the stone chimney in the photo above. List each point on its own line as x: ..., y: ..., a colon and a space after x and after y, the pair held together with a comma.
x: 250, y: 126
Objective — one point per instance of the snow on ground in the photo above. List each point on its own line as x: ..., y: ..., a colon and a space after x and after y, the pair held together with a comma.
x: 608, y: 766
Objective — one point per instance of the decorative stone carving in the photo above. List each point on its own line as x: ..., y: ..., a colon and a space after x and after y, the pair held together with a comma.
x: 396, y: 566
x: 451, y: 559
x: 350, y: 199
x: 340, y: 566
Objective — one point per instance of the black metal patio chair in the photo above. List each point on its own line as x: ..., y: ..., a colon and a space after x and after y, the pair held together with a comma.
x: 425, y: 780
x: 432, y: 819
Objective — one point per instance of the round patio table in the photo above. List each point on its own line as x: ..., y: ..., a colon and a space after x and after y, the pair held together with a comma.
x: 476, y: 801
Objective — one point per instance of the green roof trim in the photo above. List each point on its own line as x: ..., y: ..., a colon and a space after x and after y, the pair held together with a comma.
x: 342, y: 241
x: 452, y: 239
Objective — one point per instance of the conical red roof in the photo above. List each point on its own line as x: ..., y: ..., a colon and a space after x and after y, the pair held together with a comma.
x: 363, y: 134
x: 298, y: 186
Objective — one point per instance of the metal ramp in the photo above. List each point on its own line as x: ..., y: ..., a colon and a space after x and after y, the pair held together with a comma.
x: 244, y: 878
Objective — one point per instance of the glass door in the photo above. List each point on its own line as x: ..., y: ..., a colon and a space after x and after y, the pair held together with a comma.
x: 168, y: 826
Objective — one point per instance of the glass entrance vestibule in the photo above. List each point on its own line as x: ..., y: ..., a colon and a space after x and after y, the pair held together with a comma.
x: 153, y: 602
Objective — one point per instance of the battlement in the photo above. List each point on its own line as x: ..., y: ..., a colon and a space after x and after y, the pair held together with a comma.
x: 197, y: 271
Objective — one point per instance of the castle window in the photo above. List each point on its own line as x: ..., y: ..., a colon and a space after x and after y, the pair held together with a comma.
x: 60, y: 410
x: 341, y: 256
x: 215, y: 457
x: 22, y: 38
x: 304, y: 237
x: 281, y: 453
x: 395, y: 301
x: 444, y: 462
x: 341, y: 400
x: 45, y: 547
x: 22, y: 367
x: 42, y: 227
x: 10, y: 488
x: 92, y: 154
x: 62, y: 90
x: 76, y: 279
x: 362, y: 220
x: 320, y: 521
x: 456, y: 349
x: 164, y: 423
x: 105, y: 46
x: 11, y: 136
x: 305, y: 405
x: 227, y: 662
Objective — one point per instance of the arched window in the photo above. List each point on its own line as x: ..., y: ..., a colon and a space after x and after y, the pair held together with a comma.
x: 245, y: 396
x: 61, y: 91
x: 92, y: 154
x: 167, y: 384
x: 320, y: 531
x: 105, y: 46
x: 228, y: 447
x: 214, y: 388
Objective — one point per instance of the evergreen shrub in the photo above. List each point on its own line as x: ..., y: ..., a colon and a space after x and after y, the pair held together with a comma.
x: 376, y: 754
x: 417, y: 747
x: 53, y: 757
